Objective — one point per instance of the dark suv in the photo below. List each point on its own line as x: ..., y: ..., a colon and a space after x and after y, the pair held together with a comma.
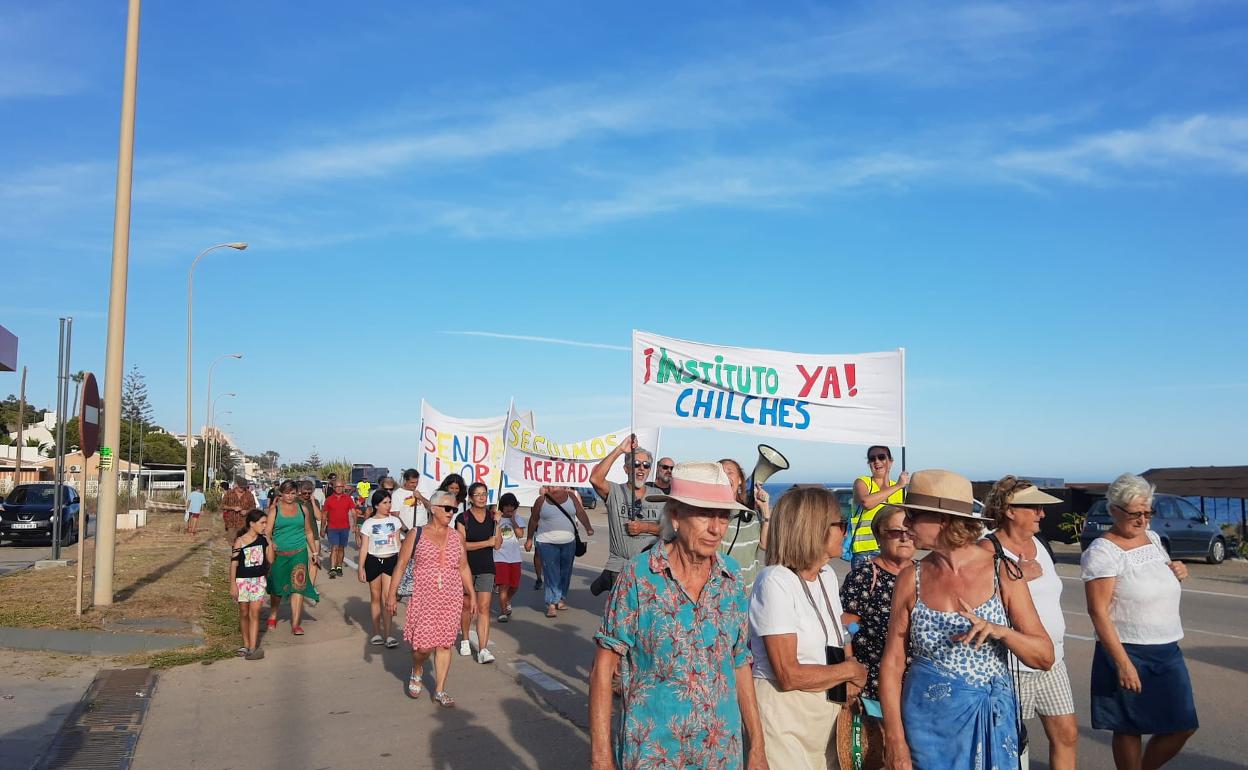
x: 26, y: 514
x: 1185, y: 532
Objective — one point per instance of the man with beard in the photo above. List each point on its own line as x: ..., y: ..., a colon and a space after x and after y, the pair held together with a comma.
x: 632, y: 523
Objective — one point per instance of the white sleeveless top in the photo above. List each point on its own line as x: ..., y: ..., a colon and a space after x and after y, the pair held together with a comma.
x: 552, y: 526
x: 1046, y: 594
x: 1145, y: 605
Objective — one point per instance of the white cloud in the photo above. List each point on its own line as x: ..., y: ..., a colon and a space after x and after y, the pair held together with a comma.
x: 548, y: 340
x: 1206, y: 142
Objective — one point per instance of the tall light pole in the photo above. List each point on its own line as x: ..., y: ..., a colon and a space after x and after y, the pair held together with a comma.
x: 212, y: 422
x: 114, y: 359
x: 216, y: 441
x: 208, y: 410
x: 190, y: 277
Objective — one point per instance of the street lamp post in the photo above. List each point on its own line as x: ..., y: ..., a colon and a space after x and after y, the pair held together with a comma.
x: 216, y: 441
x: 190, y: 277
x: 208, y: 410
x: 212, y: 409
x: 106, y: 519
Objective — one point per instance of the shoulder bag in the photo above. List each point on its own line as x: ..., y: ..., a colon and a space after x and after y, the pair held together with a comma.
x: 581, y: 546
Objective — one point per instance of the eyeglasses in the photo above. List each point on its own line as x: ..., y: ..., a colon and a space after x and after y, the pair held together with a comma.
x: 645, y: 465
x: 1135, y: 514
x: 844, y: 525
x: 666, y: 467
x: 877, y: 458
x: 897, y: 534
x: 447, y: 508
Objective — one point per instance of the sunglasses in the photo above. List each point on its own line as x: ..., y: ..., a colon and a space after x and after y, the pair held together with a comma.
x: 641, y: 465
x: 447, y: 508
x: 1136, y: 514
x: 844, y: 525
x: 877, y: 458
x: 897, y: 534
x: 666, y: 467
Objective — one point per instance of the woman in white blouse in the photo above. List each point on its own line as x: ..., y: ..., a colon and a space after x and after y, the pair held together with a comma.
x: 1140, y: 684
x: 795, y: 617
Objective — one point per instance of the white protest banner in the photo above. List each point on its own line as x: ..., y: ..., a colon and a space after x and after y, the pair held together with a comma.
x: 473, y: 448
x: 534, y: 458
x: 856, y: 398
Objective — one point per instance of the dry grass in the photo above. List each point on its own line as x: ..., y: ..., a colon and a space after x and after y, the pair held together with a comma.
x: 159, y: 572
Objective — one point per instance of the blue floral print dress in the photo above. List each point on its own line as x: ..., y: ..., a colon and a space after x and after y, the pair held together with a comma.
x: 957, y: 702
x: 677, y: 667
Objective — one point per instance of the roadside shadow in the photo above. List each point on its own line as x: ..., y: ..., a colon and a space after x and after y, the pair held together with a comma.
x: 1230, y: 658
x: 156, y: 574
x: 1187, y: 759
x: 460, y: 742
x: 31, y: 746
x: 547, y: 737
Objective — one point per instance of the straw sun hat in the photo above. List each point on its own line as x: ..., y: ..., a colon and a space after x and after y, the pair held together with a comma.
x: 702, y: 485
x: 941, y: 492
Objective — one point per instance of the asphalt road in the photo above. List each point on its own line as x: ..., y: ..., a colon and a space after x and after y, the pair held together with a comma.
x: 1215, y: 618
x: 16, y: 556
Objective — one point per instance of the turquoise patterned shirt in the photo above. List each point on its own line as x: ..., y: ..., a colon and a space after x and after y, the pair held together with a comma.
x: 677, y: 665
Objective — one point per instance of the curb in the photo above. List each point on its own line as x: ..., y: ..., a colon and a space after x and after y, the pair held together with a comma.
x: 90, y: 642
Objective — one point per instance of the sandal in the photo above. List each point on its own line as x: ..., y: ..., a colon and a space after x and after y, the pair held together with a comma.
x: 414, y: 686
x: 272, y: 623
x: 242, y: 652
x: 550, y: 611
x: 444, y: 699
x: 376, y: 640
x: 391, y: 642
x: 297, y: 630
x: 562, y: 605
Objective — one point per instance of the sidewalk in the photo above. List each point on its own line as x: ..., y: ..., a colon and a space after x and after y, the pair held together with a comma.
x: 328, y: 699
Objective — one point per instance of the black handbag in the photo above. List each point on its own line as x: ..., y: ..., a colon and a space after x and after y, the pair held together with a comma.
x: 581, y: 545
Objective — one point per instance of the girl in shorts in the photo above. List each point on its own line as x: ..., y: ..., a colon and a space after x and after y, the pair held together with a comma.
x: 249, y: 566
x: 380, y: 540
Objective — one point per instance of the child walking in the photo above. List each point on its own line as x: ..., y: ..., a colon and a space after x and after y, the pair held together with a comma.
x: 380, y: 542
x: 249, y: 567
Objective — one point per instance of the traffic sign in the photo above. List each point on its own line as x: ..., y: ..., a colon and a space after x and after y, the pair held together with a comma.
x: 89, y: 415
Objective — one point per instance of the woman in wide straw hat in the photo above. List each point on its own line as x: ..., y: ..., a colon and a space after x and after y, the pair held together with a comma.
x: 957, y: 709
x: 675, y: 630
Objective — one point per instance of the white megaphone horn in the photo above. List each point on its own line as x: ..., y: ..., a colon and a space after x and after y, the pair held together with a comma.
x: 769, y: 462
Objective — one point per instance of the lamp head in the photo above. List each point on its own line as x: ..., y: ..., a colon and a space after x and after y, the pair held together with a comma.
x: 241, y: 246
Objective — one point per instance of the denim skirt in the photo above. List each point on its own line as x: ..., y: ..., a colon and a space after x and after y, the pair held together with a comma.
x: 1164, y: 703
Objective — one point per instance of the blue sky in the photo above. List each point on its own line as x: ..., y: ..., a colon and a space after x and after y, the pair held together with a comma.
x: 1044, y: 203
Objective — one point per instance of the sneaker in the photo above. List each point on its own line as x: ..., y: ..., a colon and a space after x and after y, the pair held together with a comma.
x: 504, y: 616
x: 256, y: 654
x: 465, y: 648
x: 537, y: 584
x: 333, y: 574
x: 485, y: 656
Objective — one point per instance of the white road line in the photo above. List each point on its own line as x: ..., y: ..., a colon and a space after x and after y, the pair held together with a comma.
x: 539, y: 678
x: 1185, y: 629
x: 1081, y: 638
x: 349, y: 563
x: 1185, y: 590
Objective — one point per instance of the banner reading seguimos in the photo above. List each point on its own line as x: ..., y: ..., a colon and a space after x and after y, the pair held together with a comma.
x: 856, y: 398
x: 537, y: 459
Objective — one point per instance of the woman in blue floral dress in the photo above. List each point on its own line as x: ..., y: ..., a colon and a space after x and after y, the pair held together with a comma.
x: 956, y: 709
x: 676, y: 632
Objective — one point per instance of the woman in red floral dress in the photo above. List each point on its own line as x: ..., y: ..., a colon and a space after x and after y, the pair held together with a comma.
x: 440, y: 579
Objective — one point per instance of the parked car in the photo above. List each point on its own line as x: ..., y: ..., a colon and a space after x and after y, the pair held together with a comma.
x: 1185, y: 532
x: 589, y: 498
x: 26, y: 513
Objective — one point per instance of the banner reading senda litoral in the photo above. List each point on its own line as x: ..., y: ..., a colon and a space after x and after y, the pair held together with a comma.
x: 534, y: 458
x: 856, y: 398
x: 471, y: 447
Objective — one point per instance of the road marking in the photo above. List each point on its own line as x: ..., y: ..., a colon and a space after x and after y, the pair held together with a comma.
x: 539, y: 678
x: 1185, y: 590
x: 350, y: 563
x: 1185, y: 629
x: 1081, y: 638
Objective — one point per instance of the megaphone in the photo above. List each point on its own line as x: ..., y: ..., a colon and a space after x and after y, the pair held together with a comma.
x: 769, y: 462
